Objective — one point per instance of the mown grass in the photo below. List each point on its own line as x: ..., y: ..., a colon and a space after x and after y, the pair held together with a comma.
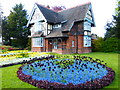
x: 10, y: 79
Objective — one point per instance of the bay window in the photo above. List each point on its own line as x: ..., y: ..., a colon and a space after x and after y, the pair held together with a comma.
x: 87, y: 41
x: 38, y: 42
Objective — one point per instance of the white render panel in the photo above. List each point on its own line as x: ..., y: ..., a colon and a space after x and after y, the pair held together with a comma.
x: 36, y: 18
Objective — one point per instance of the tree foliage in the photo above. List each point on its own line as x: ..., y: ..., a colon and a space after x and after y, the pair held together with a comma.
x: 108, y: 45
x: 17, y: 26
x: 5, y: 32
x: 97, y: 44
x: 58, y: 8
x: 113, y: 28
x: 111, y: 45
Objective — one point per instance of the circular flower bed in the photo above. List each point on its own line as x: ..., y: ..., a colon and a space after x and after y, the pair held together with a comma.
x: 66, y: 73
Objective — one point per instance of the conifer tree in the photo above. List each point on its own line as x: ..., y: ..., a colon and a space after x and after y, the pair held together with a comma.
x: 17, y: 21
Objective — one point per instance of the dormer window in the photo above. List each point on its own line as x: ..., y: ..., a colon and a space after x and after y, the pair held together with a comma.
x: 57, y: 26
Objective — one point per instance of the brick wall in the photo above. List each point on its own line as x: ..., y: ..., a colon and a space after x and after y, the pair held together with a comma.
x: 37, y: 49
x: 57, y: 51
x: 66, y: 46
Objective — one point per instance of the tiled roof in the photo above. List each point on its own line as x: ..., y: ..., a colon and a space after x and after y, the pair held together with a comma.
x: 36, y: 34
x: 50, y: 15
x: 74, y: 14
x: 69, y: 15
x: 57, y: 33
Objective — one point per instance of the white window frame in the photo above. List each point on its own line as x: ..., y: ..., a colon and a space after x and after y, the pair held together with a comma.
x: 87, y: 26
x: 87, y: 33
x: 87, y: 41
x: 89, y: 15
x: 55, y: 44
x: 38, y: 26
x: 73, y: 43
x: 49, y: 27
x: 38, y: 42
x: 57, y: 26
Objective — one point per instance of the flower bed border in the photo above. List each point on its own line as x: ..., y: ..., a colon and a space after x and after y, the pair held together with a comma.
x: 95, y: 84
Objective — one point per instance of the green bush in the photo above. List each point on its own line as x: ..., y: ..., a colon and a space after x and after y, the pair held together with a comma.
x: 108, y: 45
x: 29, y: 44
x: 97, y: 44
x: 23, y: 55
x: 14, y: 42
x: 19, y: 43
x: 111, y: 45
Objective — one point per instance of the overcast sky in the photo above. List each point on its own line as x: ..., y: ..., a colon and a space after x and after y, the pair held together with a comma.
x: 102, y: 9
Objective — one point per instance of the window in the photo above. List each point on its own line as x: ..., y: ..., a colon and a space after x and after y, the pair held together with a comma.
x: 55, y: 44
x: 38, y: 42
x: 73, y: 43
x: 87, y: 26
x: 49, y: 27
x: 57, y: 26
x: 87, y: 41
x: 89, y: 15
x: 38, y: 26
x: 87, y: 33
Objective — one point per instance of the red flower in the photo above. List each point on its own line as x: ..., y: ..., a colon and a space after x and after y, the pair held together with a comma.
x: 10, y: 48
x: 3, y: 48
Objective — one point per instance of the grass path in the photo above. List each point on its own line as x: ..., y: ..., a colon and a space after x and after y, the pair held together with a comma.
x: 10, y: 79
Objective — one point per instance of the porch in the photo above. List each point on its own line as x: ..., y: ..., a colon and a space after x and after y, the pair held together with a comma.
x: 57, y: 45
x: 64, y: 46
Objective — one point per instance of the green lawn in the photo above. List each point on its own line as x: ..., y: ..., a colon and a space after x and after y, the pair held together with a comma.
x: 10, y: 80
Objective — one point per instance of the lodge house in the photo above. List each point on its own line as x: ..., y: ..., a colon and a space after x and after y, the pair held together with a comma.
x: 66, y: 31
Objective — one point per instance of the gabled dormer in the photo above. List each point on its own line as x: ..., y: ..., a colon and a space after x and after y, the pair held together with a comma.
x: 89, y: 19
x: 37, y: 21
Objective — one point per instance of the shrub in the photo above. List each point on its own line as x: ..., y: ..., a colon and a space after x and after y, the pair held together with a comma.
x: 29, y: 44
x: 97, y: 45
x: 23, y: 55
x: 111, y: 45
x: 108, y: 45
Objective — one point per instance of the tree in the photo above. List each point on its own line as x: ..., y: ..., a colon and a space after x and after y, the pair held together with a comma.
x: 1, y: 24
x: 111, y: 45
x: 5, y: 31
x: 58, y: 8
x: 113, y: 28
x: 97, y: 44
x: 17, y: 26
x: 112, y: 36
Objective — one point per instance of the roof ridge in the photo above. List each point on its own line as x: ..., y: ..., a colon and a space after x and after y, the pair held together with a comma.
x: 45, y: 7
x: 75, y: 6
x: 64, y: 9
